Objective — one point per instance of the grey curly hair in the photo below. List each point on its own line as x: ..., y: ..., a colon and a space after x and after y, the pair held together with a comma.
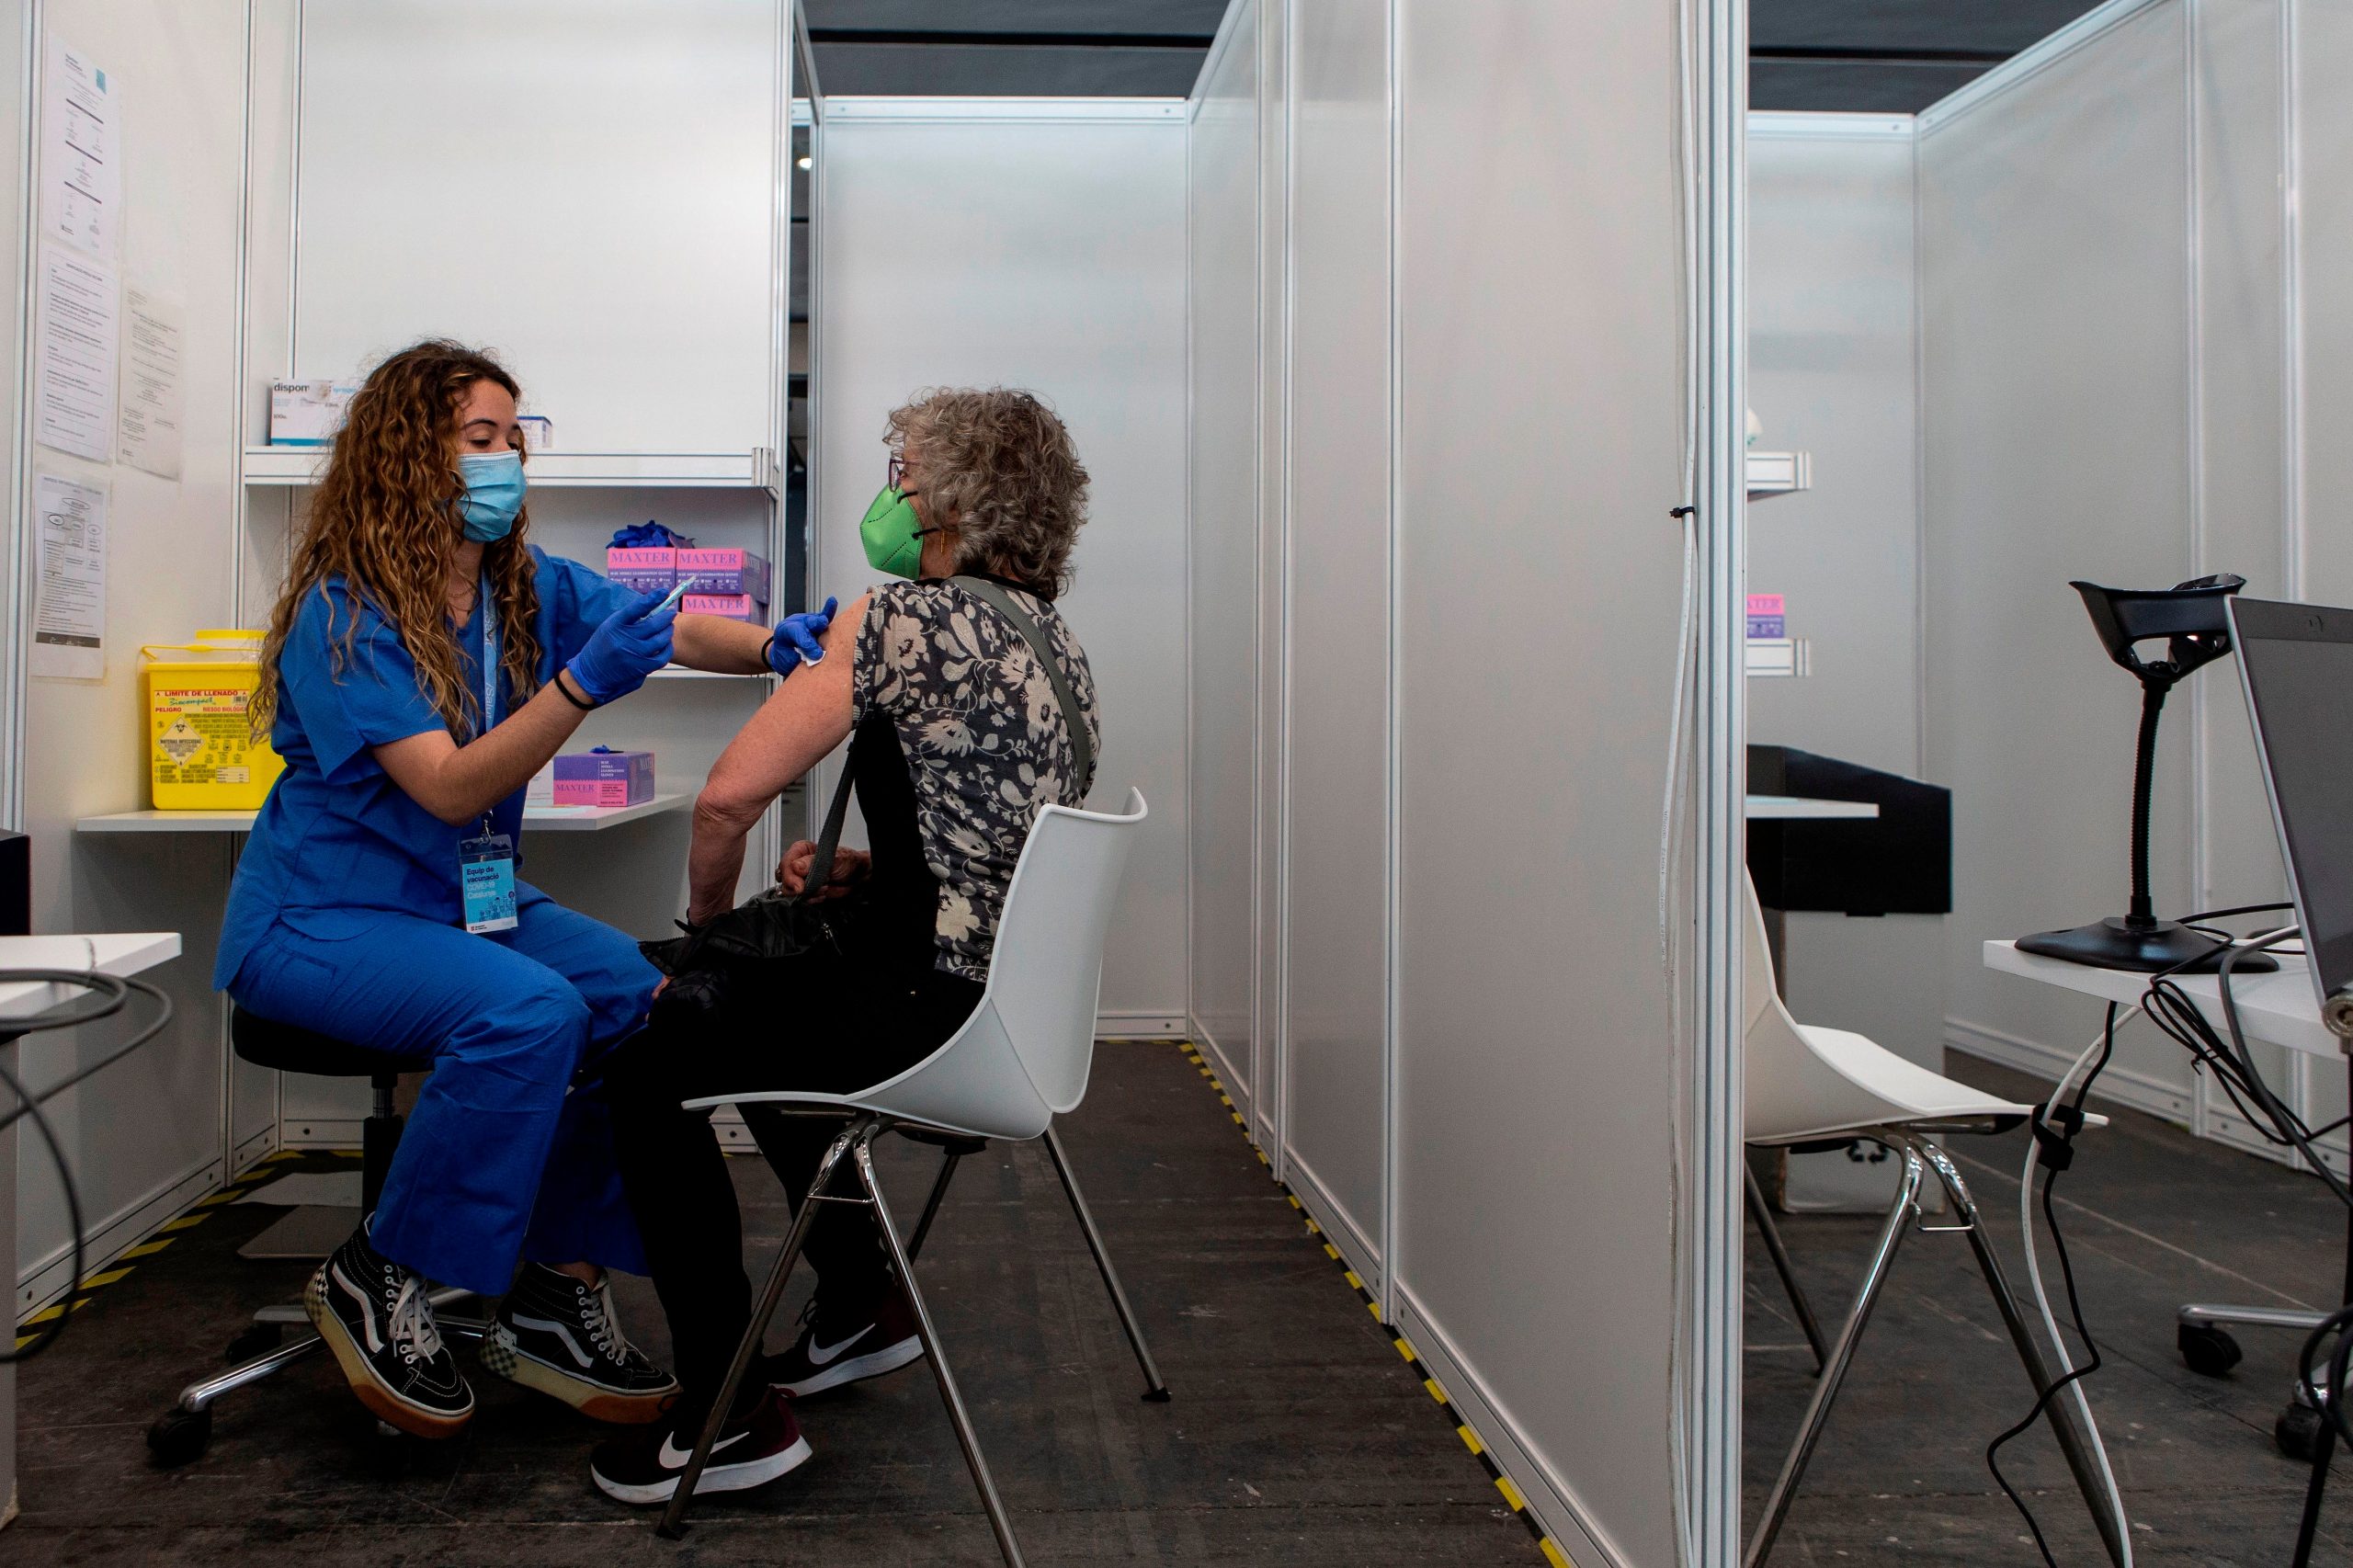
x: 1000, y: 466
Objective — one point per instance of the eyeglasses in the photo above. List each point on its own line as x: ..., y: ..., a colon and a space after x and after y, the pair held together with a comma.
x: 898, y: 475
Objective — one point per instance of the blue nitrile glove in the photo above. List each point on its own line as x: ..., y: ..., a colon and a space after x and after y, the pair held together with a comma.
x: 633, y: 643
x: 796, y: 638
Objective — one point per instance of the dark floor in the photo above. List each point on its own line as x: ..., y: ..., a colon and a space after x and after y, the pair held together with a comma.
x: 1297, y: 1435
x: 2153, y: 1218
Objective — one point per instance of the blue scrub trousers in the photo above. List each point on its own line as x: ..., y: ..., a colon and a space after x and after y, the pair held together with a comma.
x: 497, y: 1161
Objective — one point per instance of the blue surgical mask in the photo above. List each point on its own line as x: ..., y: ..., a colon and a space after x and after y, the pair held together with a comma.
x: 494, y: 494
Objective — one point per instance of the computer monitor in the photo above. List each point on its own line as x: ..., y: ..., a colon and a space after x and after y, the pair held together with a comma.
x: 2296, y: 663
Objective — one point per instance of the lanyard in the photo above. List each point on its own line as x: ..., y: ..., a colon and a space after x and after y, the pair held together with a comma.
x: 489, y: 653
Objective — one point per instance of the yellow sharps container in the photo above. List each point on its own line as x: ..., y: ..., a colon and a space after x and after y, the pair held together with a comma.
x: 201, y: 755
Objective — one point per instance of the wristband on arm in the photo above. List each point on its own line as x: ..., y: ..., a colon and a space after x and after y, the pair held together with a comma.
x: 580, y: 701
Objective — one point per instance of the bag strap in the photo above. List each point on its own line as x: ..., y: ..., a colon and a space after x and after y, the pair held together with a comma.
x: 829, y: 839
x: 1082, y: 745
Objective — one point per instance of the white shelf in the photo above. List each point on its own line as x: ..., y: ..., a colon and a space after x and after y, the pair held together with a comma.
x: 754, y: 470
x: 543, y: 819
x: 1794, y: 807
x: 1778, y: 473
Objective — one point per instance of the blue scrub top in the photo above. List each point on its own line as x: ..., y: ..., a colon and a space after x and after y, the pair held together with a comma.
x: 336, y: 834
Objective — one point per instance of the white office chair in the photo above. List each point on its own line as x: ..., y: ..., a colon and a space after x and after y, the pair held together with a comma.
x: 1821, y: 1088
x: 1020, y: 1061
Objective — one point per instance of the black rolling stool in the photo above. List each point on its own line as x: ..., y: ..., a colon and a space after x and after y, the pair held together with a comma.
x: 263, y: 1350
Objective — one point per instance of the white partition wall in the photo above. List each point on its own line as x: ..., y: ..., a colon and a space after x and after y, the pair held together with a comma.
x: 1222, y: 568
x: 1037, y: 244
x: 1434, y: 629
x: 145, y: 1138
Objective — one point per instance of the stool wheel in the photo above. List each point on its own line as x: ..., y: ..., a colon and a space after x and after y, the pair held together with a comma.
x: 2297, y: 1432
x: 2208, y: 1351
x: 179, y: 1435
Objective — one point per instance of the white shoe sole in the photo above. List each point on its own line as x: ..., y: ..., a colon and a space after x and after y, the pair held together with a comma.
x: 598, y: 1402
x: 849, y: 1370
x: 740, y: 1477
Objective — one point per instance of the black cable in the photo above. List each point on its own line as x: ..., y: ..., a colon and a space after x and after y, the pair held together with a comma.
x: 48, y: 1332
x: 2072, y: 1121
x: 115, y: 991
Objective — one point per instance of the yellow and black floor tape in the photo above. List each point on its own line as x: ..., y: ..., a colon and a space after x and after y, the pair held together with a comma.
x: 1511, y: 1495
x: 166, y: 1235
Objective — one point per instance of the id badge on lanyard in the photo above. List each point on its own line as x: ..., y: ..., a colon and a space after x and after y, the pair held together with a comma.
x: 486, y: 861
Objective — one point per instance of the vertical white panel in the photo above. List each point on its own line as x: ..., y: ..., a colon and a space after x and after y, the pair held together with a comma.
x: 150, y: 1127
x: 1338, y: 883
x: 1223, y: 571
x: 587, y: 186
x: 977, y: 247
x: 1274, y: 563
x: 1542, y: 448
x: 2055, y: 218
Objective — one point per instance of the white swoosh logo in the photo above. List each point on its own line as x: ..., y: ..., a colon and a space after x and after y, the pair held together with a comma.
x: 821, y: 1354
x: 673, y: 1458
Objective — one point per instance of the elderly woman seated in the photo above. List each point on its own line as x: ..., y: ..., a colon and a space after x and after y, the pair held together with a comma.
x: 956, y: 741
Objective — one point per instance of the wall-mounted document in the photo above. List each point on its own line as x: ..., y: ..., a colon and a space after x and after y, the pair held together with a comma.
x: 79, y: 328
x: 151, y: 383
x: 81, y: 147
x: 70, y: 609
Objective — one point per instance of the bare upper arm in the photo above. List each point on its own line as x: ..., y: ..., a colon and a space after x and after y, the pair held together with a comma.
x: 414, y: 763
x: 806, y: 717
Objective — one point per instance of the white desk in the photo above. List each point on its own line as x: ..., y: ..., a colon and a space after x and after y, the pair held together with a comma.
x: 1794, y: 807
x: 2277, y: 1008
x: 115, y: 954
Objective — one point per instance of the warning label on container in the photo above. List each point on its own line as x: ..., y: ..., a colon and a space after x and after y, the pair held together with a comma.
x: 201, y: 735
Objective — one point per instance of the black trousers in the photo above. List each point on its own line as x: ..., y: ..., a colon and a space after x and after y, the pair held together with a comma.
x: 824, y: 1022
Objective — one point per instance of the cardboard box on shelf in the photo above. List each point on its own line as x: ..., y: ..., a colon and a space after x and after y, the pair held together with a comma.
x: 307, y: 414
x: 726, y: 572
x: 604, y: 777
x: 727, y: 607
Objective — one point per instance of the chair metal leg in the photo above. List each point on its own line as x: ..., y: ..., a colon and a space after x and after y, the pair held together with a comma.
x: 2060, y: 1411
x: 858, y: 1134
x: 1154, y: 1388
x: 998, y: 1520
x: 1842, y: 1353
x: 931, y: 1204
x: 1762, y: 1214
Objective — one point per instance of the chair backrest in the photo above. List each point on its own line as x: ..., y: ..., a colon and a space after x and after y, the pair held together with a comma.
x: 1789, y: 1088
x: 1047, y: 969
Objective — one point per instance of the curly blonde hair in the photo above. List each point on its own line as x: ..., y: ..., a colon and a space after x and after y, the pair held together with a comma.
x: 384, y: 519
x: 1000, y: 466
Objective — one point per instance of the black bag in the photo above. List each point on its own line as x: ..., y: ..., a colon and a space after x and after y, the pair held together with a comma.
x: 771, y: 925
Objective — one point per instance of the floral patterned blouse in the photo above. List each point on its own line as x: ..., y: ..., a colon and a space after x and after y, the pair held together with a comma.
x: 985, y: 742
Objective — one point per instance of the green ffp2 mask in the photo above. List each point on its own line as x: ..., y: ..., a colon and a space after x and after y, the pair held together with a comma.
x: 892, y: 534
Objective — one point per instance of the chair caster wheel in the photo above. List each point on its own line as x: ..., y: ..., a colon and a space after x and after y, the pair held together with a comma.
x: 258, y: 1339
x: 179, y: 1435
x: 2297, y: 1432
x: 2208, y: 1351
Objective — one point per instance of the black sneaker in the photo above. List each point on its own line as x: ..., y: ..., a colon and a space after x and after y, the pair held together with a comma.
x: 373, y: 1315
x: 843, y: 1346
x: 560, y: 1335
x: 644, y: 1466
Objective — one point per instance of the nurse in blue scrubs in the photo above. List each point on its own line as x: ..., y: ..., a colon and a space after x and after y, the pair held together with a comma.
x: 424, y: 662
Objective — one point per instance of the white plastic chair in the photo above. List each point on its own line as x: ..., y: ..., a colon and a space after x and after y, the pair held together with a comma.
x: 1809, y: 1087
x: 1020, y: 1061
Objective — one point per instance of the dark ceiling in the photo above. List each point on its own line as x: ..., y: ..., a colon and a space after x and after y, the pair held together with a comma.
x: 1866, y: 55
